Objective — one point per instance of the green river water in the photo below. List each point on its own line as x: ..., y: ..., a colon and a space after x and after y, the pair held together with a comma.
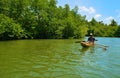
x: 59, y: 59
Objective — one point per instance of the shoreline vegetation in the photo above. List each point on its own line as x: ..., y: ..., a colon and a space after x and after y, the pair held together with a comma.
x: 43, y: 19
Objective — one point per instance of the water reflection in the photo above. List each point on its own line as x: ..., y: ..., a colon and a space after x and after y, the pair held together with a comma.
x: 86, y: 49
x: 92, y: 49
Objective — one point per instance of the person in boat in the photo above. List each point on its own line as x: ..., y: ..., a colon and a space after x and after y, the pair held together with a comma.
x: 91, y: 38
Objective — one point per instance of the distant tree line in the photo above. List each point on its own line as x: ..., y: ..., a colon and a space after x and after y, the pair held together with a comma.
x: 43, y: 19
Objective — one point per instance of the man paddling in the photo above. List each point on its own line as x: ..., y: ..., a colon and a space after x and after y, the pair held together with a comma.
x: 89, y: 42
x: 91, y: 39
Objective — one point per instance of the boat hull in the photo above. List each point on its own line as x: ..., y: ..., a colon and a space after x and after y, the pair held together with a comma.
x: 86, y: 44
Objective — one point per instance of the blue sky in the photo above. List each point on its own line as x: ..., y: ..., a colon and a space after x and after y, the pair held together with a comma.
x: 101, y: 10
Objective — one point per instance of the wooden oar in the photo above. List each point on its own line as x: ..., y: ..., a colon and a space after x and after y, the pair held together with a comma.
x: 102, y: 46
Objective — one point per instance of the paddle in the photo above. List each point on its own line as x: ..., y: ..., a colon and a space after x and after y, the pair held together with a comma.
x: 102, y: 46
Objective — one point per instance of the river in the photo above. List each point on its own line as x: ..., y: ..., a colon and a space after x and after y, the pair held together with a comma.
x: 52, y: 58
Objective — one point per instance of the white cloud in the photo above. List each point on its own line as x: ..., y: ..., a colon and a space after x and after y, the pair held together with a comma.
x: 108, y: 19
x: 89, y: 10
x: 97, y: 16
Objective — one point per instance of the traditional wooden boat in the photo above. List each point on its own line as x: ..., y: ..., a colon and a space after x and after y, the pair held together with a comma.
x: 87, y: 44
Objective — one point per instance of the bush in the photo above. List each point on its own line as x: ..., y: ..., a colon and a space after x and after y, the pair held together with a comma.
x: 9, y: 29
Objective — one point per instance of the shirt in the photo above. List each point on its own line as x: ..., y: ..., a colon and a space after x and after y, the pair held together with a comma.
x: 91, y: 39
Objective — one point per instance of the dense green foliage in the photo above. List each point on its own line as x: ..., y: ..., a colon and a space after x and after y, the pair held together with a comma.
x: 9, y: 29
x: 43, y: 19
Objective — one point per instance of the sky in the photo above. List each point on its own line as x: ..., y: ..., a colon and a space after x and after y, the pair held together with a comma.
x: 101, y: 10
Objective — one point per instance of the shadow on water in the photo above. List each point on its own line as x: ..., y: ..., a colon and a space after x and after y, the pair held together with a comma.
x: 85, y: 49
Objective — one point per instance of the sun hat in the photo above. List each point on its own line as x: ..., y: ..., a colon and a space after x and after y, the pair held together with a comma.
x: 91, y: 34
